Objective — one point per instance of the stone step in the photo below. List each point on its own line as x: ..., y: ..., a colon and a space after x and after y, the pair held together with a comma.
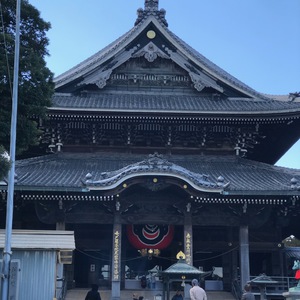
x: 79, y: 294
x: 219, y: 295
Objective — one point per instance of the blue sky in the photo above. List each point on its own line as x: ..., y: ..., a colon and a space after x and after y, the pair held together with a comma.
x: 257, y: 41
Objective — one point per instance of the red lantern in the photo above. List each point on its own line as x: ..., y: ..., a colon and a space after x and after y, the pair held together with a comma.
x: 150, y: 236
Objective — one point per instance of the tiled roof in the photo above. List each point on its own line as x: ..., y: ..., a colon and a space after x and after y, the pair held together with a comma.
x: 67, y: 171
x: 293, y: 252
x: 96, y: 59
x: 112, y: 49
x: 154, y: 165
x: 213, y: 67
x: 40, y: 239
x: 181, y: 267
x: 170, y: 103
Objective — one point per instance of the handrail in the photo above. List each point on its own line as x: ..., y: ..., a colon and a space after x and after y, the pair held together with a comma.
x: 236, y: 289
x: 62, y: 290
x: 279, y: 285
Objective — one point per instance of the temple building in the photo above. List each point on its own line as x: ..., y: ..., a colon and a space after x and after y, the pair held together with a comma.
x: 150, y: 149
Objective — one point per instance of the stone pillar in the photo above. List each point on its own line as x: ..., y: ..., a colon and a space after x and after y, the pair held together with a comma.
x: 116, y: 260
x: 188, y: 236
x: 244, y: 255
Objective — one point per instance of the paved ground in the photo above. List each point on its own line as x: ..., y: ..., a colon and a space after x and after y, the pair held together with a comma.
x: 79, y: 294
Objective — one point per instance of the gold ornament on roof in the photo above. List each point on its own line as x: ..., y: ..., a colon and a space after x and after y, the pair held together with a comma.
x: 151, y: 34
x: 180, y: 255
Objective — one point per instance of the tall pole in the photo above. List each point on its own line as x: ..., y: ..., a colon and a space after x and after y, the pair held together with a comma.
x: 11, y: 175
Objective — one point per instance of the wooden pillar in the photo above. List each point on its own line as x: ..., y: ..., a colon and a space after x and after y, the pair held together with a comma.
x: 188, y: 236
x: 60, y: 226
x: 244, y: 255
x: 60, y: 221
x: 116, y: 259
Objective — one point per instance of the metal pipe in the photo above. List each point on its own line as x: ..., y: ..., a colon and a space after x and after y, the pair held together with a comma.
x: 11, y: 175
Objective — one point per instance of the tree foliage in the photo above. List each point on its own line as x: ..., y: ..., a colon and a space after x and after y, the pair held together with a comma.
x: 35, y: 79
x: 4, y: 163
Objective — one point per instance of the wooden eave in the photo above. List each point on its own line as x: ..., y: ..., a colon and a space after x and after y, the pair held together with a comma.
x: 221, y: 115
x: 222, y: 197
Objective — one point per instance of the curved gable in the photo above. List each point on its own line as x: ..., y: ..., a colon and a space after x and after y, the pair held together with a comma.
x: 150, y: 38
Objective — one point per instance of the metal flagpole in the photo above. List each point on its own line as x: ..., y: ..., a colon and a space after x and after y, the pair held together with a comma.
x: 11, y: 175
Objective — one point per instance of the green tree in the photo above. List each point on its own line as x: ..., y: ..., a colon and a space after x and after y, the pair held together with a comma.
x: 4, y: 163
x: 36, y: 85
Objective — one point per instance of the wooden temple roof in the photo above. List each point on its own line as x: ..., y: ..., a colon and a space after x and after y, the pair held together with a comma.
x: 211, y: 89
x: 149, y: 71
x: 104, y: 172
x: 168, y: 46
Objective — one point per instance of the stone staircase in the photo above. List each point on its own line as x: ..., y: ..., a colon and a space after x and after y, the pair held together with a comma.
x: 79, y: 294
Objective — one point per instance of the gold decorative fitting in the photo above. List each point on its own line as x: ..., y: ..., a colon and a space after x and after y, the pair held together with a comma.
x: 155, y: 180
x: 183, y: 282
x: 149, y: 252
x: 180, y: 255
x: 151, y: 34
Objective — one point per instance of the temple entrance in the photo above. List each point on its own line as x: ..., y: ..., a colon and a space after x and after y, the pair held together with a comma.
x: 91, y: 266
x: 142, y: 261
x: 93, y: 256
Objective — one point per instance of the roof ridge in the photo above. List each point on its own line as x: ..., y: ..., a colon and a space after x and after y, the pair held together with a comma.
x: 99, y: 55
x: 151, y: 8
x: 151, y: 14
